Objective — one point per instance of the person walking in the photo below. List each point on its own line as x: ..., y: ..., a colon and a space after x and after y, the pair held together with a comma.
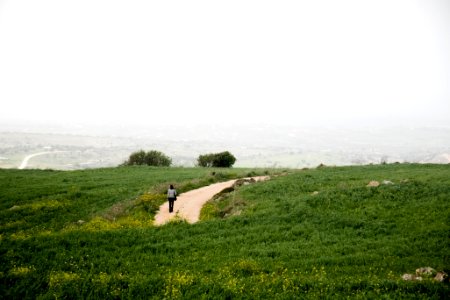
x: 171, y: 196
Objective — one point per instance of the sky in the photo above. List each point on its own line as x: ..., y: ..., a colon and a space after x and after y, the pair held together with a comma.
x: 209, y: 62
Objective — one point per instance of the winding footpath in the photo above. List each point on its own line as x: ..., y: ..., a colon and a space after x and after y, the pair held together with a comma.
x: 189, y: 204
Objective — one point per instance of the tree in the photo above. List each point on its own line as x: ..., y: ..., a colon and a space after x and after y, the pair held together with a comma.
x: 205, y: 160
x: 150, y: 158
x: 136, y: 158
x: 218, y: 160
x: 224, y: 160
x: 156, y: 158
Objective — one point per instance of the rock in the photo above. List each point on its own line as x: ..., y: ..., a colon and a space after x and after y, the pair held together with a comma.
x: 441, y: 276
x: 244, y: 181
x: 425, y: 271
x: 373, y: 183
x: 387, y: 182
x: 407, y: 277
x: 411, y: 277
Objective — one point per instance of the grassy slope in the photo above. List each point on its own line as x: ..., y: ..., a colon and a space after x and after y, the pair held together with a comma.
x: 35, y: 201
x: 348, y: 240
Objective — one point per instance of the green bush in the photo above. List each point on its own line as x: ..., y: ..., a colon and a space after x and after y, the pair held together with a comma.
x: 156, y: 158
x: 136, y: 158
x: 217, y: 160
x: 150, y: 158
x: 205, y: 160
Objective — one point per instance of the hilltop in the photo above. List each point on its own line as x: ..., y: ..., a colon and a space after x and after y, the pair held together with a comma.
x: 311, y: 233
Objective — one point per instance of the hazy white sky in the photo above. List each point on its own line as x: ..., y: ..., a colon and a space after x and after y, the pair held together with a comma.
x: 184, y: 62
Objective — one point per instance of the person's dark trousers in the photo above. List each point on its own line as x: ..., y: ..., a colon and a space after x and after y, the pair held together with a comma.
x: 171, y: 205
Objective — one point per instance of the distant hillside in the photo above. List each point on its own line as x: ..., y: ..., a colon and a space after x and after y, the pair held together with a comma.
x: 309, y: 234
x: 253, y: 146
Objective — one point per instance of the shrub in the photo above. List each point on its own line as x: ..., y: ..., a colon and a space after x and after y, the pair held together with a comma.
x: 218, y: 160
x: 205, y: 160
x: 150, y: 158
x: 136, y: 158
x: 156, y: 158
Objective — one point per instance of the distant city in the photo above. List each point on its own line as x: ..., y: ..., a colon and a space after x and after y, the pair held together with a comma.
x: 73, y: 146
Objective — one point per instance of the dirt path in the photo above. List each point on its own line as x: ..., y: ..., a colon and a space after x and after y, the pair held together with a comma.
x: 189, y: 204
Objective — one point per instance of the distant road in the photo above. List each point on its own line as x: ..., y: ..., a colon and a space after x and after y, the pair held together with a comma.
x: 24, y: 163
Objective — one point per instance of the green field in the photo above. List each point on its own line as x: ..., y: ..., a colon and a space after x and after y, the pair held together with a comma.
x: 319, y: 233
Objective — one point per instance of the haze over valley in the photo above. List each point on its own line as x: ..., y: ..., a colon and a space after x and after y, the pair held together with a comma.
x: 265, y: 146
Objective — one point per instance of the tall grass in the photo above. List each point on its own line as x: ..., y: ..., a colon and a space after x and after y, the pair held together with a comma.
x: 311, y: 234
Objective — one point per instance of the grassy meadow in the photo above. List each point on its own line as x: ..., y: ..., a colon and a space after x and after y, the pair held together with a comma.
x: 318, y: 233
